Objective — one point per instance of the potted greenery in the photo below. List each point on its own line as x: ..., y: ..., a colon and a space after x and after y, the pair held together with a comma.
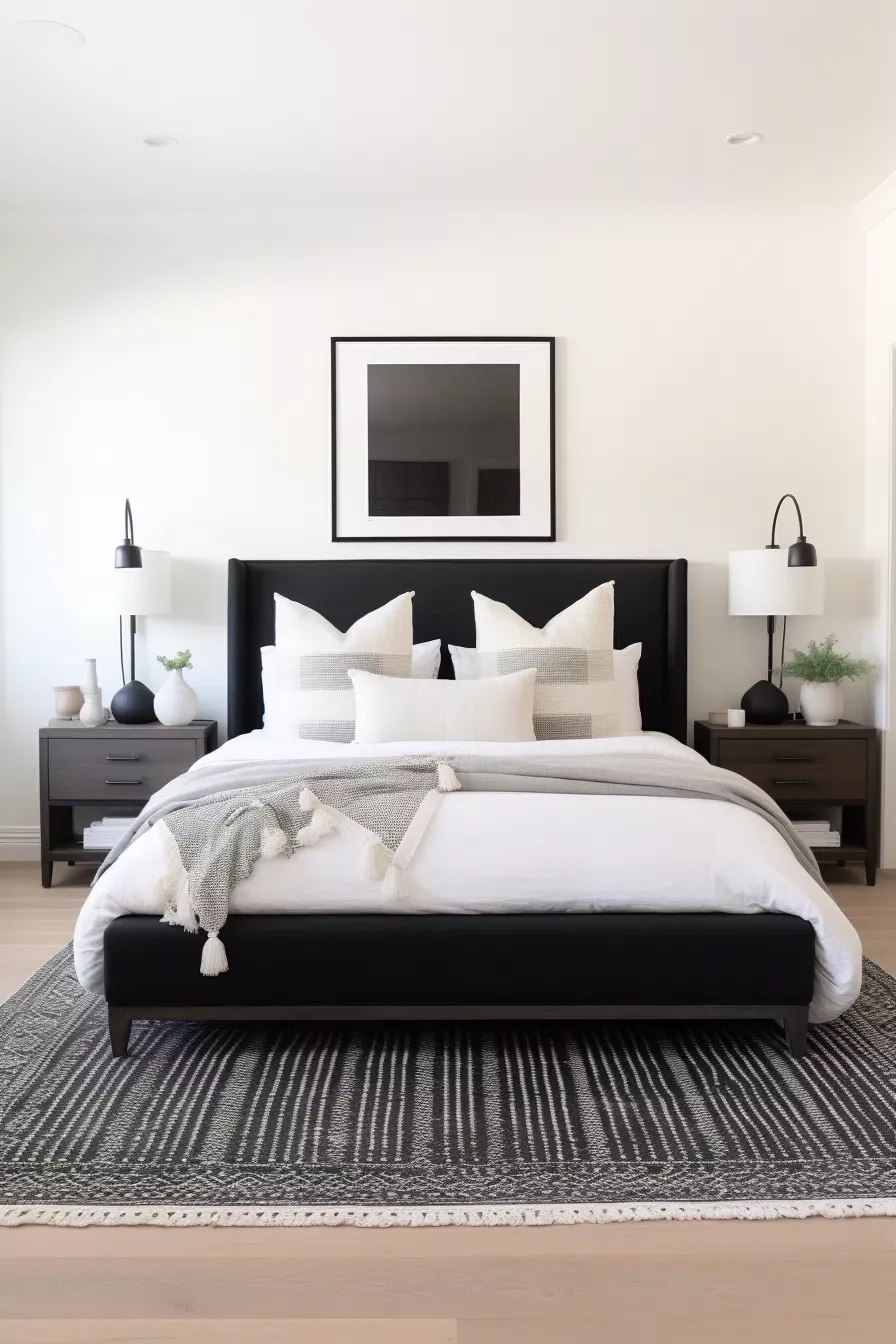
x: 175, y: 704
x: 822, y: 670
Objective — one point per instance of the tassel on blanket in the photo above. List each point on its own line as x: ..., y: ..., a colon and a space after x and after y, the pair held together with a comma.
x: 392, y: 883
x: 320, y: 825
x: 214, y: 958
x: 273, y: 843
x: 448, y: 781
x: 374, y: 858
x: 186, y: 915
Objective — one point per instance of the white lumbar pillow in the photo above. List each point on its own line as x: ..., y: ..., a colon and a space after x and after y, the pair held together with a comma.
x: 492, y: 709
x: 575, y: 690
x: 625, y: 673
x: 305, y: 676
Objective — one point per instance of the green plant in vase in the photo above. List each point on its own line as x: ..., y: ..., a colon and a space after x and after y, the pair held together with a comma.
x: 176, y: 703
x: 823, y: 670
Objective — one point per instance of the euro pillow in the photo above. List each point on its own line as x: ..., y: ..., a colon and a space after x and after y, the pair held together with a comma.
x: 311, y: 693
x: 281, y: 682
x: 426, y: 659
x: 575, y: 689
x: 490, y: 709
x: 625, y: 674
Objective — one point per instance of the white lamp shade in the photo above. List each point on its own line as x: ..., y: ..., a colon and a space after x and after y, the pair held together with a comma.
x: 145, y: 591
x: 761, y: 583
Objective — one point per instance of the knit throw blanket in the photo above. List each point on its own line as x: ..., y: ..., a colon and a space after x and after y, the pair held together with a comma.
x: 225, y: 819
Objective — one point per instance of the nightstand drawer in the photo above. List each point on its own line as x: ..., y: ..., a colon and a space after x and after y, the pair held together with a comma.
x: 816, y: 768
x: 125, y: 771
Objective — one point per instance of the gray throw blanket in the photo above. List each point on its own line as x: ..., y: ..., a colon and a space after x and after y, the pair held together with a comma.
x: 226, y: 818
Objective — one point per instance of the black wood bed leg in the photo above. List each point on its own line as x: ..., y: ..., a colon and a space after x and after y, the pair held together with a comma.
x: 119, y: 1030
x: 796, y: 1026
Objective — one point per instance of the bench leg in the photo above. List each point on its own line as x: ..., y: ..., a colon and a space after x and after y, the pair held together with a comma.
x: 119, y: 1030
x: 796, y: 1026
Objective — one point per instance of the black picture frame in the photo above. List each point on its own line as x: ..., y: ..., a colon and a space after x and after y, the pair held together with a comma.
x: 548, y: 536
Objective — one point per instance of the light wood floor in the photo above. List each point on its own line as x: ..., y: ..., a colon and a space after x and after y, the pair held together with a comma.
x: 728, y: 1283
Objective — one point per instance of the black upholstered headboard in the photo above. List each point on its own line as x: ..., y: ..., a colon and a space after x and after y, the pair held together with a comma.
x: 651, y: 606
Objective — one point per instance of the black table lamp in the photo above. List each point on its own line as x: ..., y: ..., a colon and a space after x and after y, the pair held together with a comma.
x: 142, y: 588
x: 773, y: 583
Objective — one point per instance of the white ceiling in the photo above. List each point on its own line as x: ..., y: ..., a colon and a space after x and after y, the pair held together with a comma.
x: 287, y: 103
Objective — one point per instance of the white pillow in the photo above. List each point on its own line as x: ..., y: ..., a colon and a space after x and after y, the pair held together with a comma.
x: 282, y: 690
x: 625, y: 673
x: 426, y: 659
x: 312, y: 693
x: 575, y: 691
x: 492, y: 709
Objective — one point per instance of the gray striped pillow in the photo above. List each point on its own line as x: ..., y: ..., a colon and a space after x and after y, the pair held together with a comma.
x: 575, y: 687
x: 306, y: 686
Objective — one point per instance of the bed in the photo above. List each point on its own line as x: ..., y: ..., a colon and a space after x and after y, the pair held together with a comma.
x: 673, y: 939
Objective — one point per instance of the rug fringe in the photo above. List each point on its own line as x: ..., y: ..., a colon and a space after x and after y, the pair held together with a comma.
x: 442, y: 1215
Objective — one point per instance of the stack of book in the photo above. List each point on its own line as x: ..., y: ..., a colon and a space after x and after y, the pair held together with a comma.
x: 818, y: 834
x: 106, y: 833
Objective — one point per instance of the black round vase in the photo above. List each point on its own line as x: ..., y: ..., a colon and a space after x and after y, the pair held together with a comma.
x: 133, y: 704
x: 764, y: 702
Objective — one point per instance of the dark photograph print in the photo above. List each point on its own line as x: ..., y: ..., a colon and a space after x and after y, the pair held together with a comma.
x: 443, y: 438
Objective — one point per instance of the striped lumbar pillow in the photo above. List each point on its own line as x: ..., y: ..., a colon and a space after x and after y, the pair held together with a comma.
x: 575, y: 690
x: 307, y: 688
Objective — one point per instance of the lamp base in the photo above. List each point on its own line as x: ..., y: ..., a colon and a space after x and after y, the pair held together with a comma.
x: 133, y: 704
x: 764, y: 702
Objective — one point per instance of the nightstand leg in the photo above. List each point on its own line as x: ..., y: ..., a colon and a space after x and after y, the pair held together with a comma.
x: 46, y: 872
x: 870, y: 873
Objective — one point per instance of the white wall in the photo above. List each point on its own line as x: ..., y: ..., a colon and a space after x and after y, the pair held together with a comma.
x: 880, y: 356
x: 706, y: 365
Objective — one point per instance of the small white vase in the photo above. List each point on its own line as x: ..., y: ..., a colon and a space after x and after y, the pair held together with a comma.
x: 92, y: 712
x: 175, y: 704
x: 89, y: 684
x: 821, y: 703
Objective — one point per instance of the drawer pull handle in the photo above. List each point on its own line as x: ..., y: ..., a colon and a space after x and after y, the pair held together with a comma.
x: 792, y: 781
x: 790, y: 760
x: 124, y: 781
x: 131, y: 757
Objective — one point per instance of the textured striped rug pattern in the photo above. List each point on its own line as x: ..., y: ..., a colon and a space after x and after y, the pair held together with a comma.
x: 230, y: 1115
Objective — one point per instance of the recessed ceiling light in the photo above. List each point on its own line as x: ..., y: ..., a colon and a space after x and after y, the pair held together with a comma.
x: 45, y: 35
x: 159, y: 141
x: 743, y: 139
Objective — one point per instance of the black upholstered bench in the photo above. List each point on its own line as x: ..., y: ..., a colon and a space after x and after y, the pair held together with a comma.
x: 453, y: 967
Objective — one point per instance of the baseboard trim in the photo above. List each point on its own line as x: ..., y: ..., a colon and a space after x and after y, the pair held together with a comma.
x: 19, y: 844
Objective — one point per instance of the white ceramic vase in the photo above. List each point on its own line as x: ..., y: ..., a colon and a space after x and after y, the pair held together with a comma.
x: 89, y: 684
x: 821, y: 703
x: 92, y: 712
x: 176, y: 703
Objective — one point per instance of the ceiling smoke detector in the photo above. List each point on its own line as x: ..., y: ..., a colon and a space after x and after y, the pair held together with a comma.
x: 743, y: 139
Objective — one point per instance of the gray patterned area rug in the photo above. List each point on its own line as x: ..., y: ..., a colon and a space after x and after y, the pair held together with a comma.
x: 419, y: 1125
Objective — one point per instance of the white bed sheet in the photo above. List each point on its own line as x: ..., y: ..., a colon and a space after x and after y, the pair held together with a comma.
x: 503, y: 852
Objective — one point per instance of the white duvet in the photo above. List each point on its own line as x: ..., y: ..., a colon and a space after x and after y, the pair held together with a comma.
x: 494, y: 852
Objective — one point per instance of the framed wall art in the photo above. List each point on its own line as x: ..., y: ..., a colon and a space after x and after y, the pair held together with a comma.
x: 443, y: 438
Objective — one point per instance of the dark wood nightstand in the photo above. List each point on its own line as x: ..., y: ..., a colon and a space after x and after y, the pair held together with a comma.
x: 113, y: 765
x: 802, y: 767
